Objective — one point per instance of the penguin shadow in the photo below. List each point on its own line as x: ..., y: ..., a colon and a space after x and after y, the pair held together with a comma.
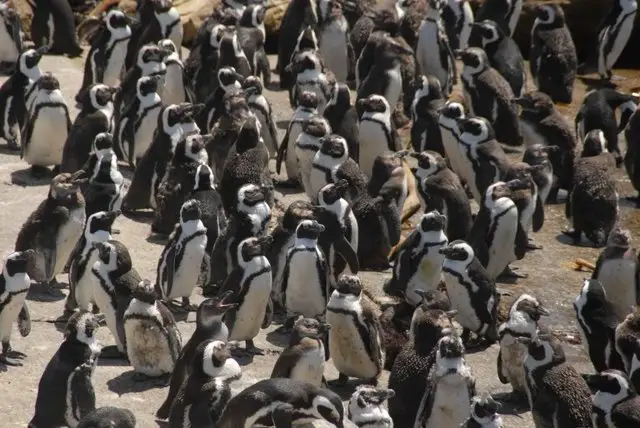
x: 629, y: 202
x: 566, y: 240
x: 507, y: 407
x: 282, y: 124
x: 274, y: 86
x: 140, y: 216
x: 25, y: 178
x: 155, y: 238
x: 128, y: 383
x: 279, y: 337
x: 596, y: 83
x: 39, y: 292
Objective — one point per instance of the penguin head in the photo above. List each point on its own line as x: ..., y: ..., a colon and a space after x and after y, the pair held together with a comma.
x: 612, y: 383
x: 501, y: 189
x: 102, y: 143
x: 229, y: 78
x: 147, y: 85
x: 316, y: 126
x: 484, y: 410
x: 527, y: 306
x: 474, y: 60
x: 436, y: 6
x: 452, y: 110
x: 543, y: 350
x: 306, y: 61
x: 429, y: 88
x: 238, y: 5
x: 145, y: 292
x: 429, y: 325
x: 216, y: 35
x: 250, y: 196
x: 449, y: 347
x: 308, y: 327
x: 432, y: 221
x: 211, y: 310
x: 366, y: 396
x: 330, y: 11
x: 253, y: 247
x: 65, y: 188
x: 522, y: 171
x: 307, y: 40
x: 432, y: 299
x: 309, y: 229
x: 173, y: 57
x: 213, y: 354
x: 98, y: 96
x: 161, y: 6
x: 48, y: 82
x: 204, y: 178
x: 191, y: 147
x: 151, y: 59
x: 594, y: 143
x: 458, y: 251
x: 175, y: 114
x: 327, y: 405
x: 428, y: 163
x: 391, y: 51
x: 229, y: 45
x: 102, y: 220
x: 82, y: 327
x: 373, y: 104
x: 548, y: 14
x: 17, y: 262
x: 117, y: 22
x: 252, y: 86
x: 489, y: 31
x: 295, y: 212
x: 333, y: 192
x: 307, y: 100
x: 252, y: 16
x: 475, y: 130
x: 334, y: 146
x: 190, y: 211
x: 538, y: 154
x: 536, y: 102
x: 349, y: 286
x: 29, y: 60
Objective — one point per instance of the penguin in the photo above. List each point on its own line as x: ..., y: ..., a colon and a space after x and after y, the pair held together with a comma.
x: 306, y: 297
x: 457, y: 17
x: 504, y: 12
x: 105, y: 59
x: 408, y: 376
x: 440, y: 189
x: 381, y: 17
x: 528, y: 202
x: 504, y: 54
x: 203, y: 61
x: 164, y: 23
x: 304, y: 357
x: 102, y: 146
x: 450, y: 134
x: 615, y: 403
x: 106, y: 416
x: 98, y: 228
x: 14, y: 93
x: 53, y: 25
x: 489, y: 95
x: 628, y: 340
x: 262, y: 109
x: 616, y: 269
x: 450, y: 387
x: 282, y: 416
x: 355, y: 342
x: 250, y: 281
x: 552, y: 56
x: 592, y: 205
x: 377, y: 133
x: 46, y: 127
x: 597, y: 321
x: 231, y: 53
x: 255, y: 404
x: 556, y: 391
x: 522, y: 321
x: 106, y: 189
x: 366, y: 407
x: 306, y: 45
x: 298, y: 15
x: 427, y: 103
x: 229, y: 82
x: 14, y: 285
x: 113, y: 284
x: 433, y: 52
x: 137, y: 124
x: 206, y: 194
x: 53, y: 229
x: 152, y: 337
x: 418, y: 261
x: 307, y: 107
x: 209, y: 326
x: 10, y: 38
x: 174, y: 122
x: 538, y: 155
x: 207, y: 390
x: 65, y: 391
x: 251, y: 35
x: 334, y: 42
x: 343, y: 118
x: 497, y: 237
x: 176, y: 87
x: 96, y: 116
x: 631, y: 155
x: 307, y: 145
x: 613, y: 34
x: 483, y: 413
x: 311, y: 75
x: 472, y: 292
x: 542, y: 124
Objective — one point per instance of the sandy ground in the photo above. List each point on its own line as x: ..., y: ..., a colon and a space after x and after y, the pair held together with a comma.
x: 551, y: 278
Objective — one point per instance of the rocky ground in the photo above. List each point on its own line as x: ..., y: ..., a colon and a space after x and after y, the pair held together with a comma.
x: 551, y: 277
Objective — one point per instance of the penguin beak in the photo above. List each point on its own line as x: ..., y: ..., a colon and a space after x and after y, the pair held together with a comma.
x: 518, y: 184
x: 112, y: 215
x: 42, y: 50
x: 542, y: 311
x: 458, y: 53
x: 131, y: 21
x: 385, y: 394
x: 192, y: 110
x: 222, y: 299
x: 524, y: 340
x: 325, y: 327
x: 265, y: 242
x: 341, y: 187
x: 239, y: 77
x: 114, y: 91
x: 446, y: 251
x: 251, y: 90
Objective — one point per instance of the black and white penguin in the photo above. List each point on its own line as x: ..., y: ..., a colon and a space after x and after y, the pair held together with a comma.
x: 542, y: 124
x: 440, y: 189
x: 262, y: 109
x: 105, y: 59
x: 311, y: 75
x: 425, y: 112
x: 231, y: 53
x: 298, y: 15
x: 450, y: 387
x: 632, y: 137
x: 206, y: 391
x: 556, y: 391
x: 597, y: 321
x: 306, y: 46
x: 483, y: 413
x: 450, y: 135
x: 203, y: 62
x: 229, y: 81
x: 343, y: 118
x: 505, y: 12
x: 538, y: 155
x: 251, y: 34
x: 113, y: 285
x: 306, y: 146
x: 307, y: 107
x: 96, y: 116
x: 614, y: 33
x: 302, y: 293
x: 503, y: 54
x: 53, y: 229
x: 615, y: 402
x: 433, y: 52
x: 108, y: 416
x: 377, y: 132
x: 176, y: 88
x: 367, y: 408
x: 527, y: 199
x: 355, y: 342
x: 472, y: 291
x: 163, y: 23
x: 304, y: 357
x: 552, y: 56
x: 209, y: 326
x: 522, y: 321
x: 418, y: 260
x: 65, y: 390
x: 489, y: 95
x: 105, y: 189
x: 102, y: 146
x: 47, y: 126
x: 457, y: 18
x: 333, y: 40
x: 255, y: 404
x: 213, y: 215
x: 628, y: 342
x: 250, y: 281
x: 10, y: 38
x: 14, y: 285
x: 53, y: 25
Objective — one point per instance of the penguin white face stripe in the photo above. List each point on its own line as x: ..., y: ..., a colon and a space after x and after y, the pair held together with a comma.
x: 580, y: 303
x: 531, y: 363
x: 606, y: 401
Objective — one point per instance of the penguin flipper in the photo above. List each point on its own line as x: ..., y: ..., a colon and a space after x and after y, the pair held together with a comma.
x: 348, y: 253
x: 282, y: 150
x: 171, y: 266
x: 538, y: 214
x: 521, y: 243
x: 284, y: 364
x: 173, y: 334
x: 426, y: 404
x: 373, y: 327
x: 24, y: 321
x: 83, y: 396
x: 501, y: 375
x: 268, y: 315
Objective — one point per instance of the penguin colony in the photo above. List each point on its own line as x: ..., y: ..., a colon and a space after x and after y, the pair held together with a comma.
x: 198, y: 132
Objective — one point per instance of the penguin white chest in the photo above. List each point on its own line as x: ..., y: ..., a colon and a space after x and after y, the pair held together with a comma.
x: 147, y: 341
x: 144, y: 133
x: 620, y: 31
x: 394, y: 88
x: 451, y: 403
x: 451, y: 149
x: 188, y: 271
x: 305, y: 284
x: 501, y: 249
x: 173, y: 92
x: 9, y: 314
x: 460, y: 298
x: 305, y: 156
x: 115, y: 63
x: 8, y: 49
x: 310, y: 366
x: 84, y: 284
x: 251, y: 312
x: 619, y: 281
x: 333, y: 47
x: 428, y: 51
x: 68, y: 236
x: 429, y: 272
x: 49, y: 134
x: 291, y: 161
x: 373, y: 140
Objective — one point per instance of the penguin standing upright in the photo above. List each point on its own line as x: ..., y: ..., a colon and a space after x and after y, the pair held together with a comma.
x: 538, y: 155
x: 343, y: 118
x: 425, y: 109
x: 333, y: 40
x: 552, y: 57
x: 433, y: 53
x: 614, y: 33
x: 251, y: 35
x: 229, y: 81
x: 14, y: 285
x: 505, y: 12
x: 106, y: 188
x: 262, y: 109
x: 65, y: 390
x: 10, y: 38
x: 615, y: 403
x: 231, y: 53
x: 483, y: 413
x: 298, y: 15
x: 152, y: 337
x: 202, y: 69
x: 311, y: 75
x: 457, y: 17
x: 53, y: 229
x: 164, y: 23
x: 176, y: 87
x: 377, y: 132
x: 450, y: 133
x: 53, y: 25
x: 355, y: 343
x: 530, y: 205
x: 47, y: 127
x: 206, y: 194
x: 307, y: 145
x: 366, y: 407
x: 628, y: 340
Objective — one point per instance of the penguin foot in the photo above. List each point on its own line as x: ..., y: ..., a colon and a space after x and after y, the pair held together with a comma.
x: 531, y: 246
x: 515, y: 399
x: 342, y: 380
x: 573, y: 234
x: 635, y: 199
x: 115, y: 231
x: 112, y: 353
x: 509, y: 272
x: 39, y: 172
x: 252, y: 349
x: 56, y: 170
x: 287, y: 184
x: 13, y: 145
x: 4, y: 359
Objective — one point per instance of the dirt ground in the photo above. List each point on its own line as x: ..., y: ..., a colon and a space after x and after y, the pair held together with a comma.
x: 551, y: 278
